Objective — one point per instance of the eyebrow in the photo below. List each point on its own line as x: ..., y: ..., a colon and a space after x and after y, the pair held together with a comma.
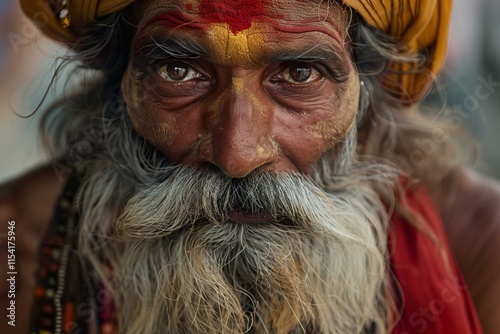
x: 151, y: 48
x: 170, y: 47
x: 313, y: 53
x: 334, y: 58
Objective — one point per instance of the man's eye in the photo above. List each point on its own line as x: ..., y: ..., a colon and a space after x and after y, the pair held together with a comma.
x: 299, y: 74
x: 178, y: 72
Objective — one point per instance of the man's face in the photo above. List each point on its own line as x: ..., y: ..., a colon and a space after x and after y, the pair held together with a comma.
x: 243, y: 85
x: 261, y: 90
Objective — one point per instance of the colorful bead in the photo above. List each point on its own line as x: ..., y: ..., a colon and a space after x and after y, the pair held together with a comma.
x: 49, y: 293
x: 68, y: 317
x: 39, y: 292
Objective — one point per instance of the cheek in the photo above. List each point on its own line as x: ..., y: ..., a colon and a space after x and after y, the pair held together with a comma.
x: 335, y: 126
x: 146, y: 114
x: 157, y: 134
x: 175, y: 133
x: 299, y: 145
x: 306, y: 137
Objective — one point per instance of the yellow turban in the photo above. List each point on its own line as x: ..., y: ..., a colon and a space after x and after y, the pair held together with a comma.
x: 421, y: 24
x: 61, y: 19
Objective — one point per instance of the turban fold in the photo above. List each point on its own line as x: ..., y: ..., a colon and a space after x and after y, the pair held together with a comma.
x: 61, y: 19
x: 422, y: 25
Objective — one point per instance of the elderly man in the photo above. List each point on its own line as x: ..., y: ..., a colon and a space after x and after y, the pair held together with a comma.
x: 253, y: 167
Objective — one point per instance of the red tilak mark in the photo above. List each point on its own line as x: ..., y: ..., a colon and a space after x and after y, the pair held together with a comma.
x: 237, y: 14
x: 189, y: 6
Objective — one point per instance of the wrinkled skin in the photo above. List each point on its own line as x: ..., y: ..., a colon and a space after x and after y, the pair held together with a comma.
x: 256, y: 97
x: 473, y: 228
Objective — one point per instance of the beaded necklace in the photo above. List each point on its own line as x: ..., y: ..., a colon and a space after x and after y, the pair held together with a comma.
x: 66, y: 295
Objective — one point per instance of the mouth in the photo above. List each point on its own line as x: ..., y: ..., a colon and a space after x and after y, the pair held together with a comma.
x: 248, y: 218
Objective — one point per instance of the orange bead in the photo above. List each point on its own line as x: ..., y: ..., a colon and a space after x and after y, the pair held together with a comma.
x: 39, y: 292
x: 68, y: 317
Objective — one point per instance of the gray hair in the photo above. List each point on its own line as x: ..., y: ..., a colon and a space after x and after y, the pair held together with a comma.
x: 178, y: 266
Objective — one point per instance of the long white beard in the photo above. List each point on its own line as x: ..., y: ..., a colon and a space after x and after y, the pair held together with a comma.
x: 180, y: 266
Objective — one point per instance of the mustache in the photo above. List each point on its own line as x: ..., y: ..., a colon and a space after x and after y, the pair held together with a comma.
x: 175, y: 235
x: 188, y: 197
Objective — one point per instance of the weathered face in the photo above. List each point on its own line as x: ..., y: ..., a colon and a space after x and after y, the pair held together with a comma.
x: 243, y: 85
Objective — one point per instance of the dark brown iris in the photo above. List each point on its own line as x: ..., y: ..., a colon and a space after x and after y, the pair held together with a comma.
x: 177, y: 72
x: 300, y: 73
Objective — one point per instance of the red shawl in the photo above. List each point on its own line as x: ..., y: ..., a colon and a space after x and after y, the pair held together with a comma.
x: 435, y: 298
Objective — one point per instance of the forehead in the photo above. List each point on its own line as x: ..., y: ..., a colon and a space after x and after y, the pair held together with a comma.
x: 238, y: 29
x: 240, y: 13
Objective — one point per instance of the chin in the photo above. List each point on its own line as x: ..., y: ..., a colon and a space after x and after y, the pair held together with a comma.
x: 194, y: 251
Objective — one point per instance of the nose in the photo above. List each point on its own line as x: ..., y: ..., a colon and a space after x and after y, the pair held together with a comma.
x: 238, y: 135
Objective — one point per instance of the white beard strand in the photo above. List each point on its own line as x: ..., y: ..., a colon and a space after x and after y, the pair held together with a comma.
x: 319, y: 265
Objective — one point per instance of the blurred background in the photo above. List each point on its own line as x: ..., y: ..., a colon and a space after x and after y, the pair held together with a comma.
x: 26, y: 67
x: 471, y: 79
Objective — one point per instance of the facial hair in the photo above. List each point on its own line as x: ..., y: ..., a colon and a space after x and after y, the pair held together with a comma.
x: 315, y: 263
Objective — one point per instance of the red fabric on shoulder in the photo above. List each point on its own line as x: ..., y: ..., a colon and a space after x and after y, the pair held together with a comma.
x: 435, y: 298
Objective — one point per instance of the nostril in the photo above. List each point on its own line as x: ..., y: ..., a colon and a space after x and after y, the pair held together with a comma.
x: 208, y: 166
x: 232, y: 158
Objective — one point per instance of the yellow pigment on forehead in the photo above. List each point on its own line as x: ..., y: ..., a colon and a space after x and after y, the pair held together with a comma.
x: 242, y: 49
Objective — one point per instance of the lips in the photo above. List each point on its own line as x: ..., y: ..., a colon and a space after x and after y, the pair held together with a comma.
x: 248, y: 218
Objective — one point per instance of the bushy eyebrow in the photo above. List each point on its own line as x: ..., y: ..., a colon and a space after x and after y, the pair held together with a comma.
x: 314, y: 53
x: 336, y: 61
x: 170, y: 47
x: 150, y: 49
